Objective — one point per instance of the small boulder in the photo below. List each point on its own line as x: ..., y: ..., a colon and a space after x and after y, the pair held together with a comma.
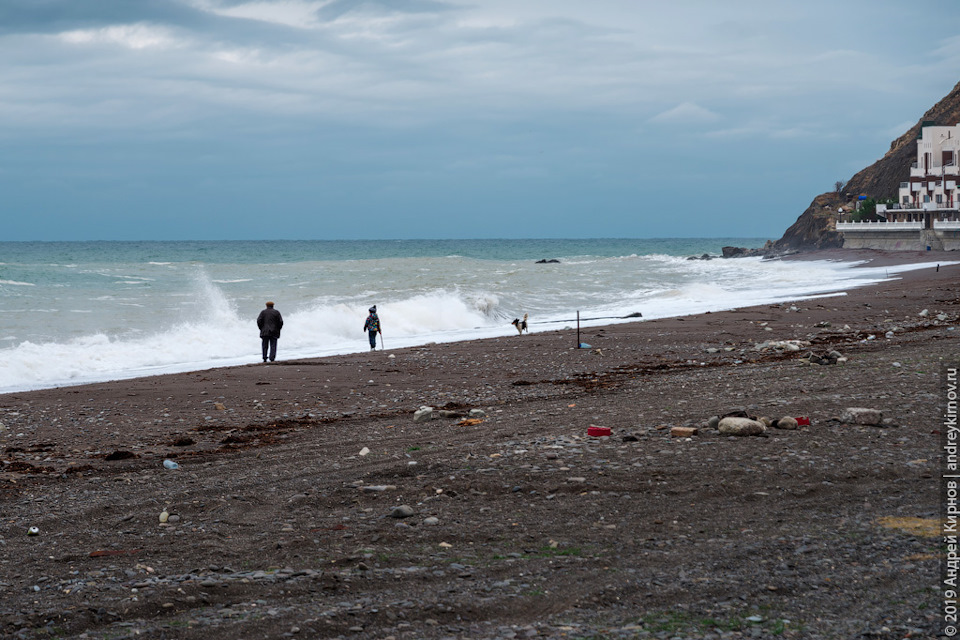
x: 786, y: 422
x: 401, y: 511
x: 733, y: 426
x: 423, y: 414
x: 860, y: 415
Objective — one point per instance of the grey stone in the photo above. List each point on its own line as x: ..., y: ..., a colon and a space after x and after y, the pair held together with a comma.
x: 423, y: 414
x: 402, y: 511
x: 860, y: 415
x: 786, y: 422
x: 731, y: 426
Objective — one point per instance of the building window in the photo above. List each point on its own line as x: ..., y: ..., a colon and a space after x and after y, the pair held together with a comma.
x: 939, y: 198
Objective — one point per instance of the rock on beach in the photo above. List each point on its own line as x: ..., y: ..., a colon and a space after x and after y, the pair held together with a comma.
x: 733, y: 426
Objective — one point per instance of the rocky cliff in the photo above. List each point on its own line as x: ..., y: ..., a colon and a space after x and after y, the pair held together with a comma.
x: 815, y: 228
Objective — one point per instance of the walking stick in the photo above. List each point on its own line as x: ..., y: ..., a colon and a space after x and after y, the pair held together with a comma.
x: 381, y: 339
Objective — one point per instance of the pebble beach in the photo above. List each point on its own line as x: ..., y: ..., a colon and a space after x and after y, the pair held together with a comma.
x: 309, y: 501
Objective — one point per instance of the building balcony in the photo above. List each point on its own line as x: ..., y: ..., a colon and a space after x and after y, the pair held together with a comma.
x: 917, y: 172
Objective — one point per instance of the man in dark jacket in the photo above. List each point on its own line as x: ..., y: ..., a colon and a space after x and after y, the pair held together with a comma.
x: 270, y: 322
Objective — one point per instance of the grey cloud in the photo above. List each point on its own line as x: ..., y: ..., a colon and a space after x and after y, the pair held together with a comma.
x: 53, y: 16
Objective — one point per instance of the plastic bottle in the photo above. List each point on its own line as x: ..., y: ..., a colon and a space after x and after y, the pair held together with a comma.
x: 170, y: 464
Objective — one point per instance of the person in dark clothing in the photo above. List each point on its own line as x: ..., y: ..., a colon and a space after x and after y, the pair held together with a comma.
x: 270, y: 322
x: 372, y: 327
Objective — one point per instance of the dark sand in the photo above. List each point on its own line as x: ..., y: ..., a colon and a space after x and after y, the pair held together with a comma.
x: 540, y: 531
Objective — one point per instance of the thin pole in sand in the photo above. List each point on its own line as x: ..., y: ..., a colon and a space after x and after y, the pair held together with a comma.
x: 578, y: 329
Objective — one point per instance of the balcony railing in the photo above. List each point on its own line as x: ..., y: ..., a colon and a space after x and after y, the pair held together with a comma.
x: 879, y: 226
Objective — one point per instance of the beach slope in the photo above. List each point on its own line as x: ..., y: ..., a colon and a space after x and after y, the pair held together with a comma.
x: 309, y: 502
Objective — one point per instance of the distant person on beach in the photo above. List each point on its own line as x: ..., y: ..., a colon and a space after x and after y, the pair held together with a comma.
x: 270, y: 322
x: 372, y: 327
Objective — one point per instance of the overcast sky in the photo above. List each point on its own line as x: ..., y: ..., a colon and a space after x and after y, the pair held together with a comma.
x: 330, y: 119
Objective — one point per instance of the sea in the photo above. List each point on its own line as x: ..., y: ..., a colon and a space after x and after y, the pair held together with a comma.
x: 79, y: 312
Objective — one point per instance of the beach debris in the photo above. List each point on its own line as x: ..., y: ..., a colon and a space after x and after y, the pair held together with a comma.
x: 736, y: 426
x: 164, y: 516
x: 469, y: 422
x: 364, y: 451
x: 598, y: 432
x: 861, y: 415
x: 103, y: 553
x: 683, y: 432
x: 782, y: 345
x: 924, y: 313
x: 401, y: 511
x: 170, y: 464
x: 119, y: 455
x: 584, y: 345
x: 833, y: 357
x: 377, y: 488
x: 823, y: 324
x: 423, y: 414
x: 219, y: 406
x: 33, y: 531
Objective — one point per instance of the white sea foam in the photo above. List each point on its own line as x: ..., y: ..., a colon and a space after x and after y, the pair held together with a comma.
x: 189, y: 321
x: 14, y: 283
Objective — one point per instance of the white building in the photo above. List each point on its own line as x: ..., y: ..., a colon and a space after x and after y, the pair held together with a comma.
x: 933, y: 177
x: 927, y: 212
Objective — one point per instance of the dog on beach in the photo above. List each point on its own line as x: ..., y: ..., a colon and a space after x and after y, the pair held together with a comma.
x: 521, y: 325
